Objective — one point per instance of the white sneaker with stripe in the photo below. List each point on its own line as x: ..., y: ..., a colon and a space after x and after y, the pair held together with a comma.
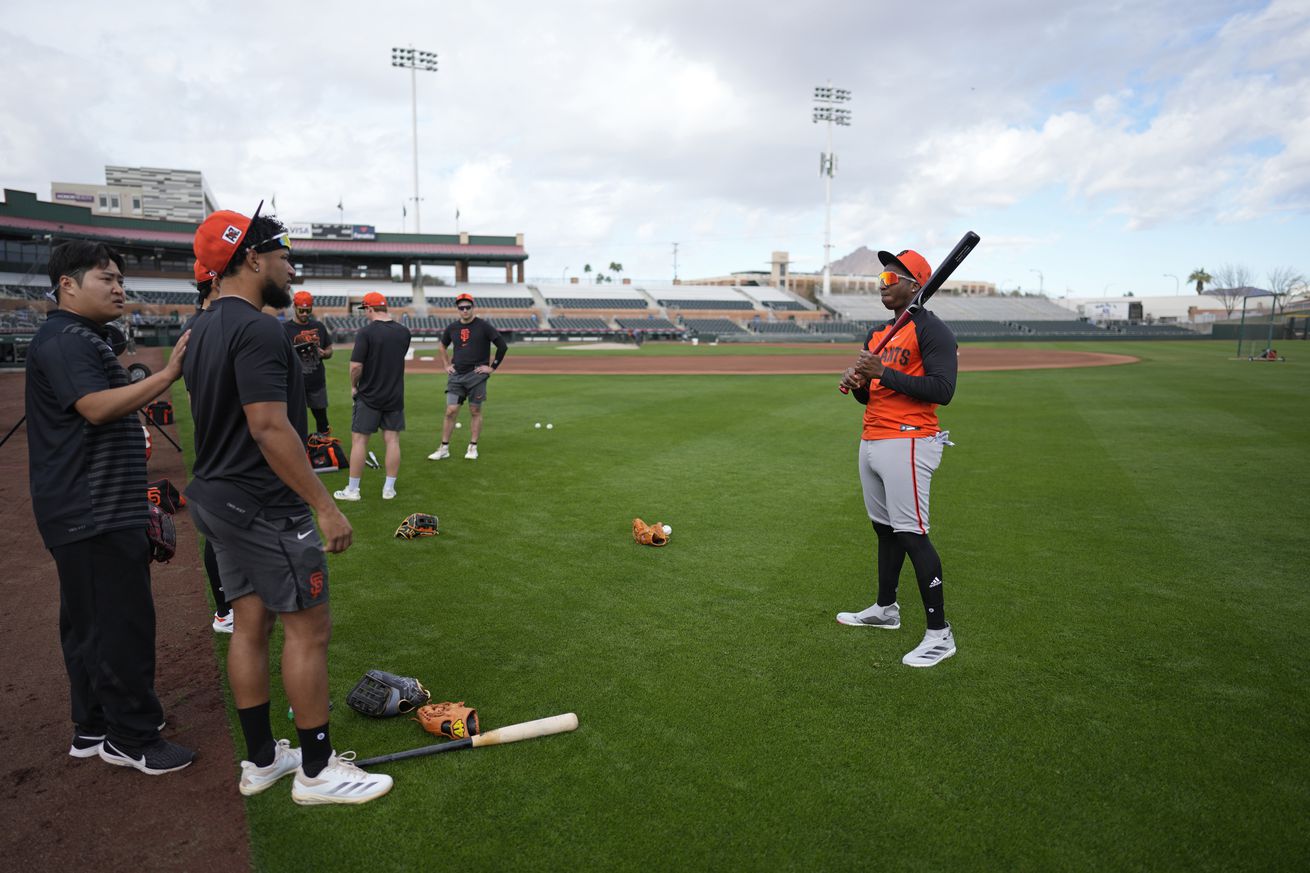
x: 885, y: 617
x: 937, y: 646
x: 339, y: 782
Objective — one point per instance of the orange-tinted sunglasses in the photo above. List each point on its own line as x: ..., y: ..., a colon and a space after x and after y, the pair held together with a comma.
x: 888, y: 279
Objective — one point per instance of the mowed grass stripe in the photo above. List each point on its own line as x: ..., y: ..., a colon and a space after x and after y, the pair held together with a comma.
x: 1125, y: 589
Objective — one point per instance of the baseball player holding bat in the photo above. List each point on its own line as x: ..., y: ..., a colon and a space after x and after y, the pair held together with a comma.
x: 900, y: 386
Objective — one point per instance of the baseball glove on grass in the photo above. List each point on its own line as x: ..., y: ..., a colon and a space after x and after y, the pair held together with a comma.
x: 452, y: 720
x: 649, y: 534
x: 380, y: 694
x: 162, y: 534
x: 417, y: 524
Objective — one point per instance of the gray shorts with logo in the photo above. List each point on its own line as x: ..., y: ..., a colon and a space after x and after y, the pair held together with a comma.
x: 471, y: 386
x: 279, y: 559
x: 366, y: 419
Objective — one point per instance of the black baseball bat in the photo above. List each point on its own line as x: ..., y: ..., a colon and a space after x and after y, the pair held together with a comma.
x: 935, y: 281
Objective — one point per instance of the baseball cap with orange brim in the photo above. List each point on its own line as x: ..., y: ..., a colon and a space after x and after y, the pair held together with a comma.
x: 203, y: 274
x: 910, y: 261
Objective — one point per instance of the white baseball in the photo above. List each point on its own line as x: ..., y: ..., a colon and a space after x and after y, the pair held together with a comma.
x: 550, y: 427
x: 459, y: 424
x: 668, y: 530
x: 537, y: 425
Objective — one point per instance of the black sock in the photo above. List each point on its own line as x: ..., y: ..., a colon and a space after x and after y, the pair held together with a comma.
x: 321, y: 420
x: 315, y: 749
x: 215, y: 581
x: 445, y: 442
x: 259, y: 734
x: 891, y: 557
x: 473, y: 443
x: 928, y: 570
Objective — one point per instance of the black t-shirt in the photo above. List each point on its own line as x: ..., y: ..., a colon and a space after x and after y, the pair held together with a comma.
x: 311, y: 365
x: 381, y: 346
x: 86, y: 479
x: 472, y: 343
x: 239, y: 355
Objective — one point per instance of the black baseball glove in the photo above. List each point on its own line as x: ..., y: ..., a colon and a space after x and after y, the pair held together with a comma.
x: 381, y: 694
x: 162, y: 534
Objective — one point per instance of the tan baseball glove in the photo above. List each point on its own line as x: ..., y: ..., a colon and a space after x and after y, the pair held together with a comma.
x: 649, y: 534
x: 452, y: 720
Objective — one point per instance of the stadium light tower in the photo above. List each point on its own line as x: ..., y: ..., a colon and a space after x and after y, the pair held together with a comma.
x: 413, y: 60
x: 827, y: 102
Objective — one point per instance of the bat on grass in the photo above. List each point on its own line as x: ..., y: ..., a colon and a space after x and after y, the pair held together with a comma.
x: 935, y: 281
x: 542, y: 727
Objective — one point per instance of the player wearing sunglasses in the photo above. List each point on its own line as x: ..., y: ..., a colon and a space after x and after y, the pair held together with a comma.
x: 470, y: 367
x: 901, y: 447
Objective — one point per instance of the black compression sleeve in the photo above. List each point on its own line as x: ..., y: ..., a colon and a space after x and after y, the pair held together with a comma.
x: 940, y: 364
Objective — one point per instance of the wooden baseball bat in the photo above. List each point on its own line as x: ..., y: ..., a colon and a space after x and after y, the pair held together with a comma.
x: 542, y: 727
x: 935, y: 281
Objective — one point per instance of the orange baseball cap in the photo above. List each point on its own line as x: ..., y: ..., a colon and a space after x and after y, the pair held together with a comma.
x: 373, y: 298
x: 203, y: 273
x: 219, y: 235
x: 910, y: 261
x: 303, y: 298
x: 465, y: 296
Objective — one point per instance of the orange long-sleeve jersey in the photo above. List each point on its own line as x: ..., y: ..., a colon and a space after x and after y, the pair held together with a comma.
x: 919, y: 370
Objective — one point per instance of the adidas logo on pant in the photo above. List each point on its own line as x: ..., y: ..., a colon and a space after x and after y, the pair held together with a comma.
x: 936, y: 581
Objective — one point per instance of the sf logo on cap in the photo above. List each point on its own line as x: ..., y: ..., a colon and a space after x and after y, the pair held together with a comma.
x: 232, y: 234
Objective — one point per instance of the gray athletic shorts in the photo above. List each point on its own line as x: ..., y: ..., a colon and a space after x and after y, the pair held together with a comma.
x: 471, y: 386
x: 316, y: 399
x: 896, y: 475
x: 366, y: 419
x: 279, y: 559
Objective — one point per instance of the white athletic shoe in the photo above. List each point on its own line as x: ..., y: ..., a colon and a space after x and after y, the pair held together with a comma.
x: 388, y: 493
x: 339, y: 782
x: 886, y: 617
x: 440, y: 453
x: 224, y: 624
x: 256, y: 779
x: 346, y: 494
x: 937, y: 646
x: 472, y: 453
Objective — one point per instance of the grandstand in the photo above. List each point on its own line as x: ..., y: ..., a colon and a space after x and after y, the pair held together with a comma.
x: 592, y: 297
x: 564, y: 322
x: 775, y: 298
x: 649, y: 323
x: 701, y: 297
x: 713, y: 326
x: 777, y: 328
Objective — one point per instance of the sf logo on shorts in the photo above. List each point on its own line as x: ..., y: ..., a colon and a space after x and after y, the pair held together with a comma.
x: 316, y: 583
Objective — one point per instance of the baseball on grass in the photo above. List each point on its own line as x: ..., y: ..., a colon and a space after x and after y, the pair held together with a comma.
x: 668, y: 530
x: 550, y: 427
x: 459, y: 424
x: 537, y: 425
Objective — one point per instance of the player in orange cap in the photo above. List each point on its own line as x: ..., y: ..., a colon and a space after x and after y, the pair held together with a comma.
x: 313, y: 345
x: 901, y: 447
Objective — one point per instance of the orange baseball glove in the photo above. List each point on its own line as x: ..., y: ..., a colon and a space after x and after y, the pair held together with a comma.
x: 649, y: 534
x: 452, y: 720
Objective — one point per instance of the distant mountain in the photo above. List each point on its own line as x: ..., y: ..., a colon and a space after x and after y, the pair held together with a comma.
x: 861, y: 262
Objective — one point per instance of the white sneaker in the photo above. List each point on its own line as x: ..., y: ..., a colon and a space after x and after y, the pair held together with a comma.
x: 388, y: 493
x: 440, y: 453
x: 224, y: 624
x: 472, y: 453
x: 339, y: 782
x: 886, y: 617
x: 256, y: 779
x: 346, y: 494
x: 937, y: 646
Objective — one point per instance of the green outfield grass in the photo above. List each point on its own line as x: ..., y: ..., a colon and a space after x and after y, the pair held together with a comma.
x: 660, y: 349
x: 1125, y: 554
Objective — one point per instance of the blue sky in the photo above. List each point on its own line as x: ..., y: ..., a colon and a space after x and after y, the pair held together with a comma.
x: 1104, y: 144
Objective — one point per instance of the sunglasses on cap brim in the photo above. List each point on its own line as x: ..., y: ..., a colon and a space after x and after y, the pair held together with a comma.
x: 888, y: 279
x: 281, y: 241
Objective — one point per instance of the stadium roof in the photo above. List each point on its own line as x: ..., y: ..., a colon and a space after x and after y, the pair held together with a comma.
x: 22, y: 213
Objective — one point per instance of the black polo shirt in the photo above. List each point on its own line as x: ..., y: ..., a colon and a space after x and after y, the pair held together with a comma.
x: 381, y: 346
x: 473, y: 343
x: 239, y: 355
x: 311, y: 331
x: 86, y: 479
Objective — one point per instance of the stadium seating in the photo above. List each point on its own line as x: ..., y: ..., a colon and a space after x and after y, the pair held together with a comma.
x: 500, y: 322
x: 1156, y: 331
x: 1062, y: 328
x: 784, y: 305
x: 564, y: 322
x: 674, y: 303
x: 963, y: 328
x: 646, y: 324
x: 598, y: 302
x: 713, y: 325
x: 483, y: 302
x: 850, y: 328
x: 777, y: 327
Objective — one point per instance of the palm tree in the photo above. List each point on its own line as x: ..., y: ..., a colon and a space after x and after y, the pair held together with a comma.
x: 1201, y: 278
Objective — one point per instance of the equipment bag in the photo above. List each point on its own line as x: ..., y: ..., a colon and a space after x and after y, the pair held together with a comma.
x: 162, y: 494
x: 325, y: 454
x: 160, y: 412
